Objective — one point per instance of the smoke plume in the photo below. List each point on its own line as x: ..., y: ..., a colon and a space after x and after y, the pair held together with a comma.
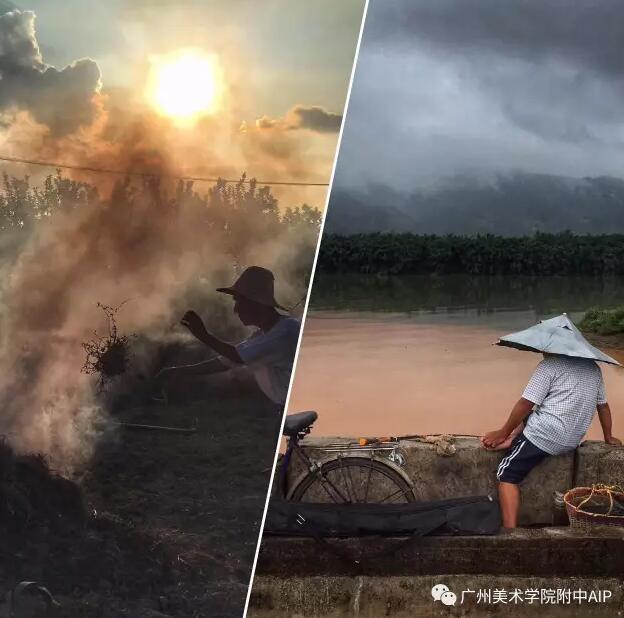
x: 160, y: 245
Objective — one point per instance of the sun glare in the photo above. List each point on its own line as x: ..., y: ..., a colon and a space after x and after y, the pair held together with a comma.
x: 185, y: 86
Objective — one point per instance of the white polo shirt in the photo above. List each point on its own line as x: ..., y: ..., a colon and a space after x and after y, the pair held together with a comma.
x: 566, y: 392
x: 270, y: 355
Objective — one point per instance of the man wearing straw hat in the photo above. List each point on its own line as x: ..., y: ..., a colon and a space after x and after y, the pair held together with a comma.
x: 269, y: 352
x: 556, y: 408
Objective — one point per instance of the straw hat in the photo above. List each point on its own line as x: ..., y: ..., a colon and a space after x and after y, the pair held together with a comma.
x: 256, y: 284
x: 556, y: 336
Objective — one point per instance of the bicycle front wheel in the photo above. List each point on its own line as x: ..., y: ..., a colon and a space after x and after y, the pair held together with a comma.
x: 349, y: 480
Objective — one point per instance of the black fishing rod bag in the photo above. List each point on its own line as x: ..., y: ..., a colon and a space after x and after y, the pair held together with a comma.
x: 475, y: 515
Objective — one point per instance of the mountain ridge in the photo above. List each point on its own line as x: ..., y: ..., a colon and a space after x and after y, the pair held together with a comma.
x: 512, y: 204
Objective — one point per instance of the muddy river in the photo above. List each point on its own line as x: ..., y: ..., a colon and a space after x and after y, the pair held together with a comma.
x: 430, y: 366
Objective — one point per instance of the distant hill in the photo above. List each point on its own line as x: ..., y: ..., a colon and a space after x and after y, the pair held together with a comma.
x: 509, y: 205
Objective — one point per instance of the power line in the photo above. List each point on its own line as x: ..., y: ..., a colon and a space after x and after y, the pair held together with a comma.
x: 99, y: 170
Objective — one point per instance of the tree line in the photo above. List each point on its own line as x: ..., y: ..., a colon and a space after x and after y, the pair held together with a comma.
x: 236, y: 217
x: 542, y: 254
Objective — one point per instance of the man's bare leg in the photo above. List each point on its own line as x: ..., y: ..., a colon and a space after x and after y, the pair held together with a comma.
x: 509, y: 497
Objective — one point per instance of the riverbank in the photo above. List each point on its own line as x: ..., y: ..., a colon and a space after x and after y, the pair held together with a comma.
x: 603, y: 321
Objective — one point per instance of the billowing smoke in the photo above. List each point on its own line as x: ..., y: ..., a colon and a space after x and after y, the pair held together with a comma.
x: 63, y: 100
x: 160, y: 245
x: 159, y: 252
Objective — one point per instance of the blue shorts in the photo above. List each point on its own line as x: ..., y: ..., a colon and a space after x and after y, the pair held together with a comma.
x: 519, y: 460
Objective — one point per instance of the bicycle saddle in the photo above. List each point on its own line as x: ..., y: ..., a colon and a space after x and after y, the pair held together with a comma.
x: 295, y: 423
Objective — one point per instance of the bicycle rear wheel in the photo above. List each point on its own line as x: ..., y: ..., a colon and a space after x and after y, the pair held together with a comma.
x: 349, y: 480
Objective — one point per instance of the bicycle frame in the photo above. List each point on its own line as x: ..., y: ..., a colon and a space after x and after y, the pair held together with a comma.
x: 293, y: 447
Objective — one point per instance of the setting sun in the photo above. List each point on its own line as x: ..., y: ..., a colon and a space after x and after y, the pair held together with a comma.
x: 185, y: 86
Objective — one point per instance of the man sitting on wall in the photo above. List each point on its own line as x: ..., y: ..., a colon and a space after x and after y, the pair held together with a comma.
x: 559, y: 401
x: 269, y: 352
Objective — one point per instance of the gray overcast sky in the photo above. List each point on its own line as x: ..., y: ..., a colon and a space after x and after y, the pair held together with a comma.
x: 445, y: 87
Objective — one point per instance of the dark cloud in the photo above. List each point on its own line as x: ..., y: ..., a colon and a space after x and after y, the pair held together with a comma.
x: 62, y: 99
x: 313, y: 118
x: 584, y: 32
x: 447, y: 87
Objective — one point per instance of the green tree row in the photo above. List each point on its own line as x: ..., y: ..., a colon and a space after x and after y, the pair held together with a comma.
x: 229, y: 205
x: 541, y: 254
x: 236, y: 217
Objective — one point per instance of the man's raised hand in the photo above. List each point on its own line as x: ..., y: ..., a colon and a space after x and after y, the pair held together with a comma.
x: 195, y: 325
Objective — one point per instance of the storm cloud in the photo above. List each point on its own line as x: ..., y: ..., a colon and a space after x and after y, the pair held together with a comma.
x: 585, y: 32
x: 482, y: 86
x: 315, y: 119
x: 64, y: 99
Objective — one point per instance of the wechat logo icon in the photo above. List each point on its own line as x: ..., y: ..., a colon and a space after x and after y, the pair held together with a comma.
x: 441, y: 592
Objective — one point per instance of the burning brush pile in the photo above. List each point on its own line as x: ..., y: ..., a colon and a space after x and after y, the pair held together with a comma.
x: 32, y: 496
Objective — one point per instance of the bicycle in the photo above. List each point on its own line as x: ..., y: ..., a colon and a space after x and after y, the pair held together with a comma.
x: 370, y: 474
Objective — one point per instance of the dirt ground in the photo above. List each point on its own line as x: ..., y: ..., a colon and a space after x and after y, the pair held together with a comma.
x: 172, y: 518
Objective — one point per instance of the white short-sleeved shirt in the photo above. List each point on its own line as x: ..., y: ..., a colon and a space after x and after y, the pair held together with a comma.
x: 566, y: 392
x: 270, y: 355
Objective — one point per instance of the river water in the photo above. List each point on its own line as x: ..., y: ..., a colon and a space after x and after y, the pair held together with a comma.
x: 415, y: 355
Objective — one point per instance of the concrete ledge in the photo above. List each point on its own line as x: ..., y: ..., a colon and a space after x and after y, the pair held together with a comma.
x: 523, y: 552
x: 597, y: 462
x: 472, y: 471
x: 406, y: 597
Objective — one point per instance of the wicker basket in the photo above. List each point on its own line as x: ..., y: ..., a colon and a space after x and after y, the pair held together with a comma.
x: 577, y: 498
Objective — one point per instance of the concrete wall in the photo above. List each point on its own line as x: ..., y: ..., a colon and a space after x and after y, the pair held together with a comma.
x: 599, y: 462
x: 407, y: 597
x: 524, y: 552
x: 471, y: 470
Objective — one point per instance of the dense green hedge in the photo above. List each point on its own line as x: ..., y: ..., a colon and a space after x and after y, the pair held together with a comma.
x: 604, y: 322
x: 542, y: 254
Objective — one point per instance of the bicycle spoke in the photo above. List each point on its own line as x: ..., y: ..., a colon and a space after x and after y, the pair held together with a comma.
x: 398, y: 491
x: 370, y: 472
x: 352, y: 483
x: 338, y: 492
x: 323, y: 485
x: 344, y: 478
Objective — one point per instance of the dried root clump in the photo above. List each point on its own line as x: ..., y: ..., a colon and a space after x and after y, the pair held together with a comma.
x: 107, y: 356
